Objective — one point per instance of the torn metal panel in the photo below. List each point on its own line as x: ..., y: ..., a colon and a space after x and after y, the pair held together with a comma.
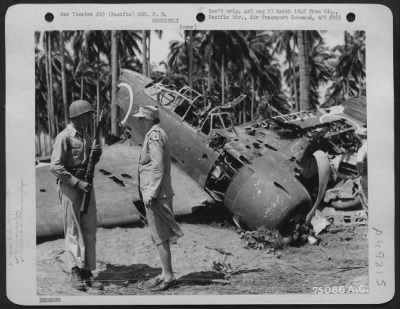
x: 323, y: 177
x: 345, y: 194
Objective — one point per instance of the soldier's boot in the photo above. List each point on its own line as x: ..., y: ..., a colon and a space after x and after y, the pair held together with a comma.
x: 88, y: 278
x: 76, y: 279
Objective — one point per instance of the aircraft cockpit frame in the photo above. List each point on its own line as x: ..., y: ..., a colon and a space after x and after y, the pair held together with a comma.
x: 217, y: 120
x: 192, y: 108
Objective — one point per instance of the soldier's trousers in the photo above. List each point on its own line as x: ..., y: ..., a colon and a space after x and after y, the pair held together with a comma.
x: 79, y: 229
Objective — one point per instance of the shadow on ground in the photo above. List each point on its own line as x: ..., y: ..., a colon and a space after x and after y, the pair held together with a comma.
x: 123, y: 274
x: 213, y: 214
x: 202, y: 278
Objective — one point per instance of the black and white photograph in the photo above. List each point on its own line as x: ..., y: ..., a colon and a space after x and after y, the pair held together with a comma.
x: 191, y: 161
x: 257, y: 138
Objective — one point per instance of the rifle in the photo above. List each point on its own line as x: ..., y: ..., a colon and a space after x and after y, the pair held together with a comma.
x: 89, y: 171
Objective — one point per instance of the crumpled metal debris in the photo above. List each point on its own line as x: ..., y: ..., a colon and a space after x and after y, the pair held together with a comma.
x: 312, y: 240
x: 262, y: 238
x: 345, y: 194
x: 344, y: 218
x: 324, y: 171
x: 319, y: 222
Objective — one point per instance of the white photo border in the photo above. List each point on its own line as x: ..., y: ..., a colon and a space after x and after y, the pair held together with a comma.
x: 376, y: 20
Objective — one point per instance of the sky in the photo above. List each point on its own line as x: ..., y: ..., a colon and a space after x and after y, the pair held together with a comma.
x: 159, y: 48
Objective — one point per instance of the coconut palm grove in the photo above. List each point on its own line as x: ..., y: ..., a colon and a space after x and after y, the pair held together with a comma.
x: 280, y: 72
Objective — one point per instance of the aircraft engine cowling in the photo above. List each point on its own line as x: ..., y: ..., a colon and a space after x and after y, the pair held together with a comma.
x: 265, y: 194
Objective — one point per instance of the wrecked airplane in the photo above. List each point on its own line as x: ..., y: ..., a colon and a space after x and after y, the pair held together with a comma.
x: 263, y: 172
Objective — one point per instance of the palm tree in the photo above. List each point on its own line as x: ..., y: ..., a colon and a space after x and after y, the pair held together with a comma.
x: 299, y: 48
x: 190, y: 73
x: 85, y: 69
x: 128, y: 49
x: 41, y: 86
x: 321, y: 70
x: 223, y: 47
x: 349, y: 77
x: 265, y: 75
x: 306, y: 41
x: 64, y: 80
x: 245, y: 64
x: 304, y: 70
x: 145, y: 51
x: 185, y: 58
x: 51, y: 78
x: 114, y: 70
x: 49, y: 74
x: 98, y: 56
x: 286, y: 43
x: 88, y: 47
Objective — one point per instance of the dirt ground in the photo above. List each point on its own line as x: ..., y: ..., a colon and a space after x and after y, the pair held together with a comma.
x: 126, y: 257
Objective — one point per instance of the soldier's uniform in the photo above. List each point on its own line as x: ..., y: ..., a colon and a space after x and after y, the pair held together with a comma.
x: 70, y: 153
x: 68, y: 161
x: 155, y: 182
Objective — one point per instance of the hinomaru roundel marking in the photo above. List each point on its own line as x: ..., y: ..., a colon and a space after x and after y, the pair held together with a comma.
x: 128, y: 112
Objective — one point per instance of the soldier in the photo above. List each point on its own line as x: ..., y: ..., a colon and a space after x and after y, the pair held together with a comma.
x: 68, y: 161
x: 155, y: 190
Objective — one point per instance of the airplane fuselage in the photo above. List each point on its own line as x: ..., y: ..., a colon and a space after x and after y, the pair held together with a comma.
x: 258, y: 188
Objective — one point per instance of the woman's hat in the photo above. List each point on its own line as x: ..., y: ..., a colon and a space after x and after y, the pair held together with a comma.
x: 148, y: 112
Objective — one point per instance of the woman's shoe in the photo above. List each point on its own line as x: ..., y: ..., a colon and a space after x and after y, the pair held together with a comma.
x: 164, y: 285
x: 149, y: 284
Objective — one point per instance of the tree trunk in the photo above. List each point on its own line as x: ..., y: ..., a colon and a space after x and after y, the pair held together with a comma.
x: 294, y: 78
x: 63, y: 79
x: 295, y: 94
x: 144, y: 54
x: 244, y: 111
x: 38, y: 129
x: 45, y: 144
x: 304, y: 70
x: 222, y: 80
x: 52, y: 114
x: 97, y: 100
x: 97, y: 88
x: 203, y: 89
x: 148, y: 53
x: 190, y: 59
x: 94, y: 121
x: 253, y: 92
x: 227, y: 90
x: 114, y: 76
x: 209, y: 76
x: 82, y: 85
x: 291, y: 88
x: 48, y: 86
x: 259, y: 95
x: 56, y: 125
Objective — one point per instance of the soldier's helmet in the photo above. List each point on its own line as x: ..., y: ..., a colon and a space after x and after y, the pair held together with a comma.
x: 80, y: 107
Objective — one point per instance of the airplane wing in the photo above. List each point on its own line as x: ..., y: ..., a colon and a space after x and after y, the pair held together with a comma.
x: 115, y: 184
